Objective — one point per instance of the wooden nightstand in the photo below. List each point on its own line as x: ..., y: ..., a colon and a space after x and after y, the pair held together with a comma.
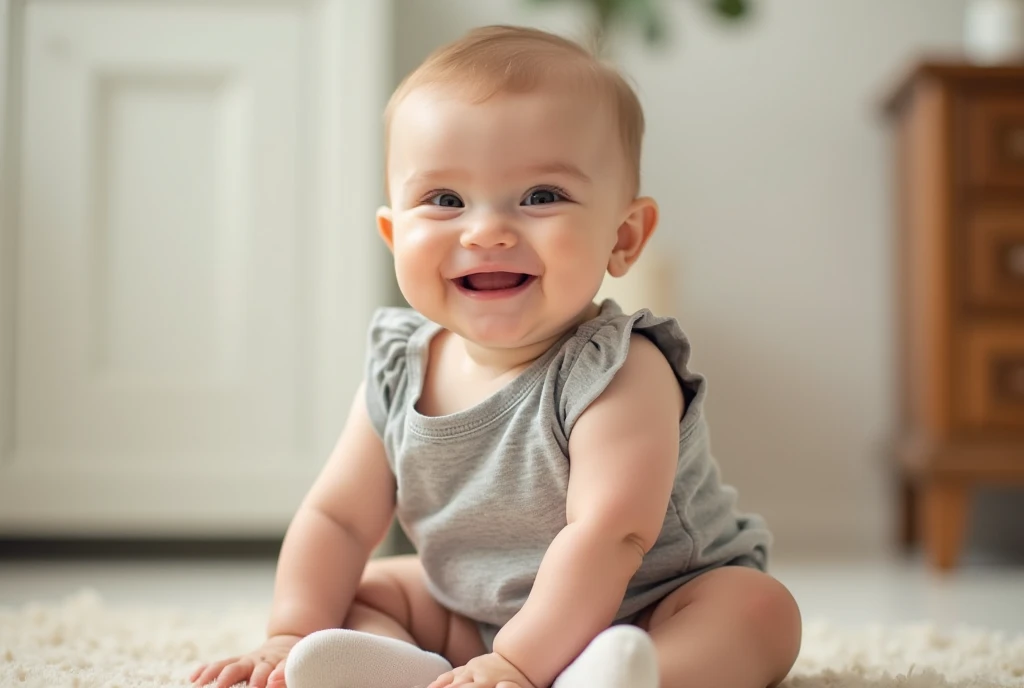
x: 959, y: 149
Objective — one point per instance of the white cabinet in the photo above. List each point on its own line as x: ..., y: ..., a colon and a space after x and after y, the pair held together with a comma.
x: 187, y: 256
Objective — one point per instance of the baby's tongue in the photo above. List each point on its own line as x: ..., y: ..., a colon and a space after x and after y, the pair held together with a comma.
x: 493, y: 281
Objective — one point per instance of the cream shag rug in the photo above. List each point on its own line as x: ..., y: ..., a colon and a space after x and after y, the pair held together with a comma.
x: 83, y: 643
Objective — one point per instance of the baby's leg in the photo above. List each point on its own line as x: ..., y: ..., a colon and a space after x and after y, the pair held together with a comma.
x: 395, y: 636
x: 732, y: 627
x: 393, y: 601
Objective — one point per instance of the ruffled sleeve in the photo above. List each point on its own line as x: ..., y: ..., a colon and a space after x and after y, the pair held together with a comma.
x: 386, y: 362
x: 599, y: 351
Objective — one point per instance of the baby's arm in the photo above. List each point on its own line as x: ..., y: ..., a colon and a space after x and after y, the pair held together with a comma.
x: 623, y: 455
x: 343, y: 518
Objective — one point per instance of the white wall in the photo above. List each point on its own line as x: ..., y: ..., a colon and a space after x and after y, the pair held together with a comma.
x: 768, y: 154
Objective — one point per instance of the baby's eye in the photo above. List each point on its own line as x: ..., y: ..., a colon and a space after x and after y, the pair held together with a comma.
x: 447, y: 200
x: 543, y: 197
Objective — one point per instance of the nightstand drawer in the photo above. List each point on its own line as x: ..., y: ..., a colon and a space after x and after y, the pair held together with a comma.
x: 995, y: 258
x: 995, y: 140
x: 992, y: 378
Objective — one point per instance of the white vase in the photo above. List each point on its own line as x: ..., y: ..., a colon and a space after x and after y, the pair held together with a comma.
x: 994, y: 31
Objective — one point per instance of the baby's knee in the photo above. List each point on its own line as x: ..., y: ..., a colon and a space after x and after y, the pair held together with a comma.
x: 376, y: 597
x: 392, y: 586
x: 378, y: 590
x: 773, y: 610
x: 359, y: 614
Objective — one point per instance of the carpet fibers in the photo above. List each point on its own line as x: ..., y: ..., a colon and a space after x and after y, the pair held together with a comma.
x: 81, y: 642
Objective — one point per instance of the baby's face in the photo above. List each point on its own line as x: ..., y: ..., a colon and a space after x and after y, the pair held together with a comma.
x: 504, y: 213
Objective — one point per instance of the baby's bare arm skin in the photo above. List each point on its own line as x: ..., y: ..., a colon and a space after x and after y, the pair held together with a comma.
x: 732, y: 627
x: 342, y: 519
x: 623, y: 454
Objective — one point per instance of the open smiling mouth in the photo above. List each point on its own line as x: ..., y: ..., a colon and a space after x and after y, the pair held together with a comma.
x: 494, y: 282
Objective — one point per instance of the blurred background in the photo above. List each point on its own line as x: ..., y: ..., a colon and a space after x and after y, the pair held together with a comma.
x: 188, y: 256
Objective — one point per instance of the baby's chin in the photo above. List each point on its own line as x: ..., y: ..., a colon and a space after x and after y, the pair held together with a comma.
x: 497, y: 332
x: 510, y: 332
x: 530, y: 327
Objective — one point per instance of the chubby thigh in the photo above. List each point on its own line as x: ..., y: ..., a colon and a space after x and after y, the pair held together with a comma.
x: 731, y: 626
x: 393, y: 600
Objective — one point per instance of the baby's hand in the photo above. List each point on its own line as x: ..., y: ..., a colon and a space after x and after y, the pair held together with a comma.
x: 260, y: 668
x: 486, y: 671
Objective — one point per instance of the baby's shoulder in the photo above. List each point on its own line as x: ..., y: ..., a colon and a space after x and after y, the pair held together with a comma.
x: 601, y: 347
x: 392, y: 336
x: 603, y: 344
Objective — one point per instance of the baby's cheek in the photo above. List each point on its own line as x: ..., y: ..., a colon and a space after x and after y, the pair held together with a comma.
x: 414, y: 277
x: 415, y: 241
x: 580, y: 258
x: 572, y: 246
x: 417, y: 250
x: 417, y: 264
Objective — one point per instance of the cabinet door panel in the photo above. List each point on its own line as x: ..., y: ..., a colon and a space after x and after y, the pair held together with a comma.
x: 170, y: 270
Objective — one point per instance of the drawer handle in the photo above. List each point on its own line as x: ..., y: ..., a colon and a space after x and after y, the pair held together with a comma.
x: 1014, y: 257
x: 1011, y: 379
x: 1015, y: 143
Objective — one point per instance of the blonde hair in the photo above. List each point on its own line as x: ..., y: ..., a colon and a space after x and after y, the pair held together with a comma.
x: 510, y: 59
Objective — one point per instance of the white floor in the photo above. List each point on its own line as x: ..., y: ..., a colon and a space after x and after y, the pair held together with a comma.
x: 849, y: 593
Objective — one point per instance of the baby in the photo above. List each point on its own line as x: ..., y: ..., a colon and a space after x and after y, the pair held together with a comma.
x: 548, y: 456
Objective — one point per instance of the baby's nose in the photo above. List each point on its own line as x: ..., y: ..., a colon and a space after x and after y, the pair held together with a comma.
x: 490, y: 230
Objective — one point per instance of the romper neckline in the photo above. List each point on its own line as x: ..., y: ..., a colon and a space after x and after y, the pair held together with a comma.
x: 492, y: 408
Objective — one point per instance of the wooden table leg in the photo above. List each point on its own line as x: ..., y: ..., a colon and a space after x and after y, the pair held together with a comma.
x: 944, y: 510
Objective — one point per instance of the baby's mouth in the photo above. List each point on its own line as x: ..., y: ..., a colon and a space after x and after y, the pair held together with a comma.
x: 493, y: 281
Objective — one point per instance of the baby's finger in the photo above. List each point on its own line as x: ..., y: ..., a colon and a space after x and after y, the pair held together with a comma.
x: 276, y: 678
x: 443, y: 680
x: 260, y: 674
x: 213, y: 670
x: 196, y: 673
x: 235, y: 673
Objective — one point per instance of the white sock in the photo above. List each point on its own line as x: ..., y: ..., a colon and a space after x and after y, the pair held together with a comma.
x: 620, y: 657
x: 339, y: 658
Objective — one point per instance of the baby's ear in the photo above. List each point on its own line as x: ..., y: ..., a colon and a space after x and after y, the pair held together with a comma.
x: 386, y: 226
x: 634, y: 232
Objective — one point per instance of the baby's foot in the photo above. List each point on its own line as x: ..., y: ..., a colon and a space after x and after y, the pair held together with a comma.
x: 621, y: 657
x: 338, y: 658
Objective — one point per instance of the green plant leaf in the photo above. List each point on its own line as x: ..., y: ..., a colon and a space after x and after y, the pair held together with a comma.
x: 655, y: 33
x: 731, y: 9
x: 647, y: 15
x: 608, y: 10
x: 651, y: 21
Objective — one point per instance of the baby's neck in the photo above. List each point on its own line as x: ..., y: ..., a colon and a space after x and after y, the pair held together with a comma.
x: 499, y: 361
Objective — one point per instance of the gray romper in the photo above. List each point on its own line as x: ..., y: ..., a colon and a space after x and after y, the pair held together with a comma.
x: 482, y: 492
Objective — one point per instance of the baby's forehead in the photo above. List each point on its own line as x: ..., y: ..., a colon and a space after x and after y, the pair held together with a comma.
x: 448, y: 110
x: 470, y: 94
x: 503, y: 130
x: 507, y: 134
